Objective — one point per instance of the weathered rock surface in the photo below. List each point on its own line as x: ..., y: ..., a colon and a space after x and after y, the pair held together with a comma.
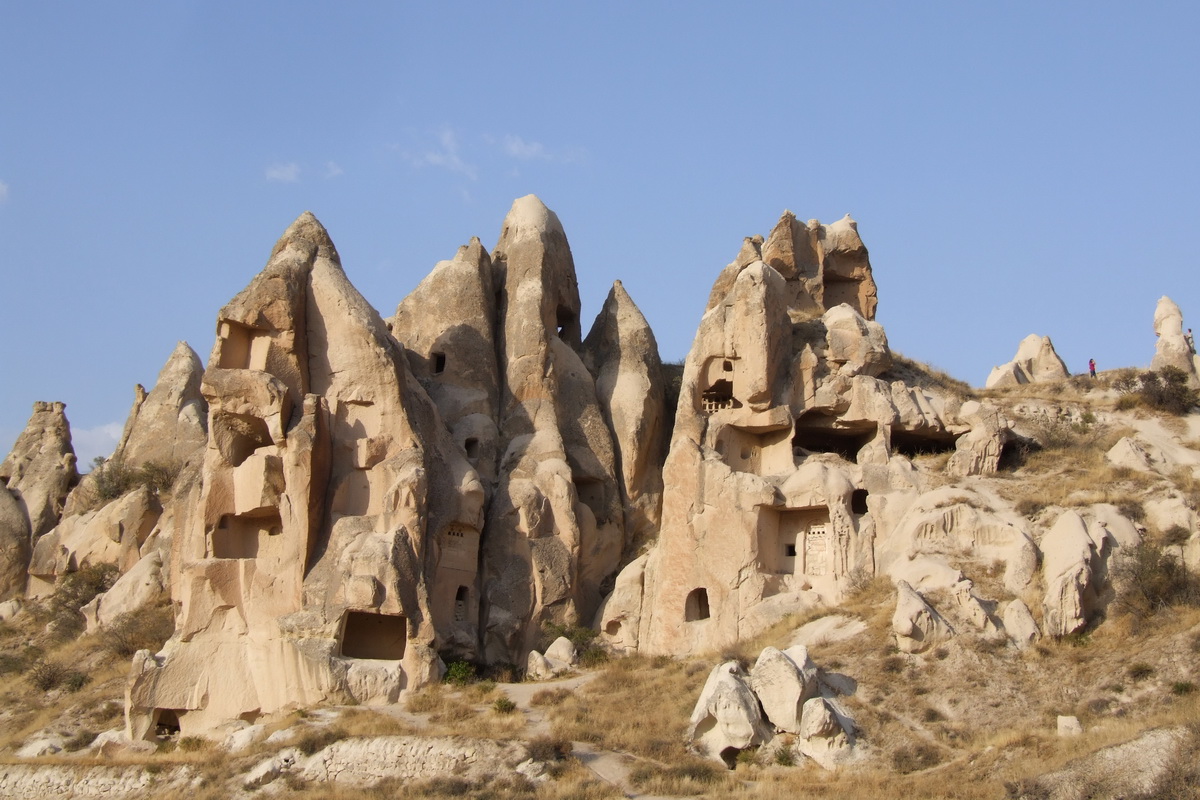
x: 1071, y: 567
x: 916, y: 624
x: 1172, y: 348
x: 622, y: 355
x: 783, y: 683
x: 329, y: 491
x: 1035, y: 362
x: 726, y: 718
x: 40, y: 469
x: 363, y: 762
x: 168, y: 425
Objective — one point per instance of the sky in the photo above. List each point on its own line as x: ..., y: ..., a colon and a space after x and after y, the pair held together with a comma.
x: 1015, y: 168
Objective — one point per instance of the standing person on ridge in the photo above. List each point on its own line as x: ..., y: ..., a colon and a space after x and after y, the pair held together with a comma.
x: 1092, y: 367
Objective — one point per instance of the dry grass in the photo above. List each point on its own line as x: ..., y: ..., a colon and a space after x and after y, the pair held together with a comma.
x: 637, y: 705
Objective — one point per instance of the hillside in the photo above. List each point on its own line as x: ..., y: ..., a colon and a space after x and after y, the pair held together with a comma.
x: 341, y: 555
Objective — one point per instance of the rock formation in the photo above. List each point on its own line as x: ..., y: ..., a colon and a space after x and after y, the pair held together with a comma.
x: 786, y: 424
x: 329, y: 484
x: 566, y: 435
x: 916, y: 624
x: 167, y: 426
x: 1172, y: 348
x: 1073, y: 573
x: 35, y: 479
x: 1035, y: 362
x: 40, y: 469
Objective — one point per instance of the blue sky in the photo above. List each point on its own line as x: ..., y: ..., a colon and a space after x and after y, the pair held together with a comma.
x: 1015, y: 168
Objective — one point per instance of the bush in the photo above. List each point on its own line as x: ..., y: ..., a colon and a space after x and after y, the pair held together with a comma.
x: 504, y: 705
x: 46, y: 675
x: 549, y: 697
x: 75, y: 590
x: 590, y: 652
x: 916, y: 757
x: 459, y: 673
x: 113, y: 478
x: 192, y: 744
x: 1151, y: 580
x: 1167, y: 390
x: 144, y: 629
x: 1182, y: 688
x: 1140, y: 671
x: 315, y: 739
x: 549, y: 748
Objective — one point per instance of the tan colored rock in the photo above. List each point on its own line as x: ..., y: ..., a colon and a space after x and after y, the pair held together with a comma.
x: 783, y: 686
x: 362, y: 762
x: 822, y: 736
x: 619, y: 618
x: 15, y: 549
x: 1070, y: 559
x: 40, y: 469
x: 113, y: 534
x: 622, y: 354
x: 1172, y: 348
x: 1020, y: 625
x: 916, y: 624
x: 1036, y: 361
x: 726, y: 718
x: 556, y: 523
x: 168, y: 425
x: 144, y: 585
x: 824, y: 266
x: 332, y: 498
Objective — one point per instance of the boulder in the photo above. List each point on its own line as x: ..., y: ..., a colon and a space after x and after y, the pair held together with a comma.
x: 822, y: 736
x: 1020, y: 625
x: 915, y: 623
x: 783, y: 685
x: 1069, y: 561
x: 726, y: 718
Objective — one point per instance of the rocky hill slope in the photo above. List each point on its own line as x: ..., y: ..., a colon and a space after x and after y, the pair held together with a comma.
x: 798, y: 556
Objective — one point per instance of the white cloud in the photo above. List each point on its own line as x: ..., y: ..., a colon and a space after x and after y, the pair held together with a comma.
x: 517, y: 147
x: 284, y: 173
x: 446, y: 156
x: 92, y: 442
x: 522, y: 150
x: 332, y: 170
x: 3, y: 191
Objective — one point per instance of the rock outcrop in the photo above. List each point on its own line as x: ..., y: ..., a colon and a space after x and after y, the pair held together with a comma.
x: 1073, y: 572
x: 1173, y: 348
x: 40, y: 469
x: 916, y: 624
x: 1035, y: 362
x: 168, y: 425
x: 329, y: 486
x: 786, y: 424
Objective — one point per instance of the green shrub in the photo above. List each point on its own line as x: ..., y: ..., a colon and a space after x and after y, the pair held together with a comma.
x: 113, y: 478
x: 589, y: 651
x: 504, y: 705
x: 73, y: 681
x: 784, y: 757
x: 1182, y: 688
x: 459, y: 673
x: 1167, y: 390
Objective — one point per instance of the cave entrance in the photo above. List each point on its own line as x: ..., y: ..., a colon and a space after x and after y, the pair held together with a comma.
x: 366, y: 634
x: 911, y: 444
x: 695, y: 608
x: 815, y: 433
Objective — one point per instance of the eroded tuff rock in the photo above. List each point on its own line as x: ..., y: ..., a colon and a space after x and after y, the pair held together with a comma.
x: 620, y: 351
x: 569, y: 457
x: 1172, y: 348
x: 727, y: 716
x: 329, y: 486
x: 786, y: 426
x: 40, y: 469
x: 167, y: 425
x: 916, y: 624
x: 1036, y: 361
x: 1074, y: 572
